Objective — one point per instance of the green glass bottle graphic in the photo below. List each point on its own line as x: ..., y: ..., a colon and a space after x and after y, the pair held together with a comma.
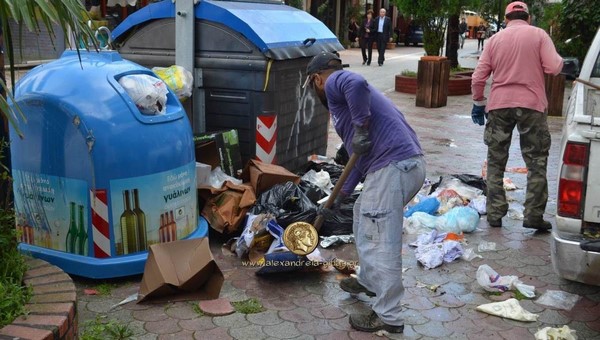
x: 141, y: 221
x: 82, y: 235
x: 129, y: 232
x: 72, y: 233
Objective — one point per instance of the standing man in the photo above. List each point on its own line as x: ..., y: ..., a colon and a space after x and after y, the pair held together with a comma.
x: 384, y: 34
x: 517, y: 57
x: 462, y: 30
x: 392, y: 160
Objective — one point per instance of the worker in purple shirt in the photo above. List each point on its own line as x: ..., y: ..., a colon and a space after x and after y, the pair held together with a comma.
x: 392, y: 160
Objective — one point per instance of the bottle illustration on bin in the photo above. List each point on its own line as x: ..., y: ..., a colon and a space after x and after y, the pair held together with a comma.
x: 82, y: 245
x: 167, y: 231
x: 133, y: 225
x: 71, y: 240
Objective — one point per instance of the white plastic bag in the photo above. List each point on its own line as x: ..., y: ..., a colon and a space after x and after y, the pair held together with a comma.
x: 558, y: 299
x: 550, y: 333
x: 457, y: 220
x: 491, y: 281
x: 510, y: 309
x: 218, y: 177
x: 464, y: 190
x: 320, y: 179
x: 147, y: 92
x: 177, y: 78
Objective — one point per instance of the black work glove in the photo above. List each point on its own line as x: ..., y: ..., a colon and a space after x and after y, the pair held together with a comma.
x: 360, y: 141
x: 478, y: 112
x: 337, y: 203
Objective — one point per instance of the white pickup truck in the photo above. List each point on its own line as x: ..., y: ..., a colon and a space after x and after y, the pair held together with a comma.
x: 576, y: 234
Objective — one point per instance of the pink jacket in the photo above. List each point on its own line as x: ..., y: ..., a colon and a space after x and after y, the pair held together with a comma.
x: 517, y: 58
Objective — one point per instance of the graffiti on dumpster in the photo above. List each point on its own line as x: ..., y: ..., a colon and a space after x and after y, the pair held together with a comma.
x: 304, y: 113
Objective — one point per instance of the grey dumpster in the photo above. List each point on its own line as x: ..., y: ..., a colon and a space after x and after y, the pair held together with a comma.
x: 250, y: 62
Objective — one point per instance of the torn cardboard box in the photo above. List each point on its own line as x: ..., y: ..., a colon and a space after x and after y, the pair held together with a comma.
x: 180, y: 270
x: 263, y: 176
x: 220, y: 148
x: 226, y: 208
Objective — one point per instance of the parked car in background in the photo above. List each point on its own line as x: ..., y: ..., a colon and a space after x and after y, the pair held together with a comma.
x: 575, y: 245
x: 414, y: 36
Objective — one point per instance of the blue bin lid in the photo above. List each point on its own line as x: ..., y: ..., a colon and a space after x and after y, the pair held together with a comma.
x: 278, y: 31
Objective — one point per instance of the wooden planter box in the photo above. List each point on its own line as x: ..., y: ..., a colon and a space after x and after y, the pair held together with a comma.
x: 459, y: 84
x: 390, y: 46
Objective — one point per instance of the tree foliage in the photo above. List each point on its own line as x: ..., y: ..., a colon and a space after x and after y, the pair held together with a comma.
x: 33, y: 15
x: 579, y: 22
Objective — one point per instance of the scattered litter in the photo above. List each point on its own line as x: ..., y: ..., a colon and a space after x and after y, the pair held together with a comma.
x: 486, y: 246
x: 90, y: 292
x: 287, y: 203
x: 218, y: 177
x: 517, y: 170
x: 319, y: 159
x: 382, y: 333
x: 148, y: 93
x: 405, y: 269
x: 429, y: 205
x: 552, y: 333
x: 558, y: 299
x: 321, y: 179
x: 478, y: 203
x: 328, y: 241
x: 434, y: 254
x: 467, y: 192
x: 432, y: 236
x: 448, y: 200
x: 132, y: 297
x: 179, y: 80
x: 457, y: 220
x: 510, y: 309
x: 432, y: 288
x: 469, y: 255
x: 515, y: 214
x: 454, y: 237
x: 345, y: 267
x: 491, y: 281
x: 508, y: 184
x: 261, y: 234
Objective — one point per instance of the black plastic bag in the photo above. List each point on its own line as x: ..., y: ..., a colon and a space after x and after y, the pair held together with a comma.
x: 339, y: 221
x: 471, y: 180
x: 312, y: 191
x: 287, y: 203
x: 334, y: 170
x: 341, y: 156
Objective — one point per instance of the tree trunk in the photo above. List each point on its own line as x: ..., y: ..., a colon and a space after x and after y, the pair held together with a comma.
x: 452, y: 40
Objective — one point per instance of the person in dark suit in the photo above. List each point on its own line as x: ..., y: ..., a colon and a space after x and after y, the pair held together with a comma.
x: 383, y: 27
x: 366, y: 35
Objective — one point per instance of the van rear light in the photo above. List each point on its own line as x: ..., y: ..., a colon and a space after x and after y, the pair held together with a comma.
x: 572, y: 179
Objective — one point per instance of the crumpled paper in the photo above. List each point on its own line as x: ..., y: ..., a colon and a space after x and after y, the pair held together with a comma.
x: 549, y: 333
x: 328, y: 241
x: 510, y: 309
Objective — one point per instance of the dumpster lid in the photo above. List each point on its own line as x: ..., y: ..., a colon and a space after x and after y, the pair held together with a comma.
x: 278, y: 31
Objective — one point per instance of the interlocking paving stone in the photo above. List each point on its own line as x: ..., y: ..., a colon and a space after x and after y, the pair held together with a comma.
x: 213, y: 334
x: 101, y: 305
x: 316, y: 327
x: 446, y: 300
x: 336, y: 335
x: 310, y: 301
x: 552, y: 317
x: 485, y: 334
x: 298, y: 315
x: 533, y: 270
x: 248, y: 332
x: 236, y: 320
x: 187, y: 335
x: 419, y: 303
x: 182, y: 311
x: 414, y: 317
x: 462, y: 327
x: 151, y: 314
x: 137, y: 327
x: 518, y: 333
x: 217, y: 307
x: 266, y: 318
x: 433, y: 329
x: 136, y: 306
x: 340, y: 324
x: 284, y: 330
x: 197, y: 324
x: 441, y: 314
x: 278, y: 304
x: 493, y: 323
x: 166, y: 326
x: 329, y: 312
x: 356, y: 335
x: 584, y: 331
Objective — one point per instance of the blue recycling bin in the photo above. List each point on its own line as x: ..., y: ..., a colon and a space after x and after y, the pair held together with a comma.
x: 96, y: 181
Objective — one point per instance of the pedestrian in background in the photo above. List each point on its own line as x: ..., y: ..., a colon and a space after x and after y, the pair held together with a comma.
x: 383, y: 26
x: 481, y: 32
x: 391, y: 158
x: 353, y: 31
x: 462, y: 30
x: 367, y: 34
x: 517, y: 58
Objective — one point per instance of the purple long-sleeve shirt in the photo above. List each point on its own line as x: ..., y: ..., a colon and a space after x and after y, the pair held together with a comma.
x: 353, y: 102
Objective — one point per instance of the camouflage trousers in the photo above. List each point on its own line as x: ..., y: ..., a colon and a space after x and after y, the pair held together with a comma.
x: 535, y: 144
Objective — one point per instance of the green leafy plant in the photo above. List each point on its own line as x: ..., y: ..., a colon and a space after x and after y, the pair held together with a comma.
x: 99, y: 329
x: 408, y: 73
x: 196, y: 309
x: 105, y: 288
x: 249, y: 306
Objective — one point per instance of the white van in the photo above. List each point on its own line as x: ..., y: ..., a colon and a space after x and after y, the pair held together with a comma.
x: 576, y: 235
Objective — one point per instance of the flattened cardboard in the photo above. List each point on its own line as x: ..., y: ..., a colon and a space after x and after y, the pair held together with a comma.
x: 263, y: 176
x: 226, y: 208
x: 179, y: 271
x: 220, y: 148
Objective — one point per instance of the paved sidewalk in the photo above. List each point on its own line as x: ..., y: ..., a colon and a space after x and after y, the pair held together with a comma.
x: 310, y: 305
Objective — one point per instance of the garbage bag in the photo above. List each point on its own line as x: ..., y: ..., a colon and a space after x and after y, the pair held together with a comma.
x: 147, y: 92
x: 312, y: 191
x: 179, y: 80
x: 339, y: 221
x: 320, y: 179
x: 429, y: 205
x: 491, y: 281
x: 467, y: 192
x: 287, y: 203
x: 341, y: 156
x: 334, y: 170
x: 280, y: 262
x: 473, y: 180
x: 457, y: 220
